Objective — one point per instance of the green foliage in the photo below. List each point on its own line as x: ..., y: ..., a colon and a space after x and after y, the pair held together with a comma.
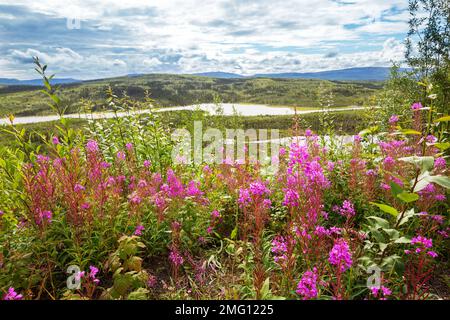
x: 129, y: 279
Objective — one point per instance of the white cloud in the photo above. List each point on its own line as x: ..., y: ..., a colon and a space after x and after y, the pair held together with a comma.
x: 245, y: 35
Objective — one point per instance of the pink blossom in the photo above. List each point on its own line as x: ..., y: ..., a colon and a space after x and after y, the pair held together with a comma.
x: 440, y: 163
x: 138, y: 230
x: 147, y: 163
x: 340, y: 255
x: 92, y: 146
x: 416, y: 106
x: 427, y: 243
x: 55, y: 140
x: 307, y: 287
x: 175, y: 258
x: 121, y: 155
x: 393, y: 119
x: 12, y: 295
x: 193, y: 189
x: 78, y: 188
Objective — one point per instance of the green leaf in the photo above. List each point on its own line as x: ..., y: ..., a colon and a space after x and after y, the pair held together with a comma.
x: 442, y: 145
x: 139, y: 294
x: 443, y: 181
x: 410, y: 131
x: 403, y: 240
x: 392, y: 233
x: 422, y: 181
x: 408, y: 214
x: 380, y: 222
x: 424, y: 163
x: 370, y: 130
x: 395, y: 188
x: 265, y: 289
x: 234, y: 233
x: 408, y: 197
x: 443, y: 119
x: 385, y: 208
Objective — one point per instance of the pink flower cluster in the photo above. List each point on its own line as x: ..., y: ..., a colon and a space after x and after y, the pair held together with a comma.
x: 12, y: 295
x: 175, y: 258
x: 340, y: 255
x: 423, y: 244
x: 385, y: 292
x: 279, y: 249
x: 307, y: 287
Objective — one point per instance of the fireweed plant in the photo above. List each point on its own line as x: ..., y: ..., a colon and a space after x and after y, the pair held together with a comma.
x: 139, y: 226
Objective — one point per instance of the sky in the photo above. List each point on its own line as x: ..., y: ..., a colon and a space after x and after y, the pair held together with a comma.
x: 89, y: 39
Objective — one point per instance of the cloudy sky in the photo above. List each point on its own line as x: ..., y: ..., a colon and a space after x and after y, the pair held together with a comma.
x: 186, y: 36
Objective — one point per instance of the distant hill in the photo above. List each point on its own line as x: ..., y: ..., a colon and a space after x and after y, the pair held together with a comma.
x: 35, y: 82
x: 223, y: 75
x: 351, y: 74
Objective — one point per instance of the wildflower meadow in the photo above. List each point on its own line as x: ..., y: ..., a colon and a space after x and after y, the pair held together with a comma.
x: 109, y: 212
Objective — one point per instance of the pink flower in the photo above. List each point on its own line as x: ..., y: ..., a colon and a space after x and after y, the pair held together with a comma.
x: 55, y: 140
x: 121, y: 155
x: 129, y: 146
x: 258, y: 189
x: 44, y: 216
x: 175, y: 187
x: 427, y: 243
x: 79, y: 275
x: 193, y: 190
x: 151, y: 282
x: 291, y: 198
x: 215, y: 214
x: 135, y: 199
x: 138, y: 230
x: 147, y: 163
x: 78, y: 188
x: 393, y: 119
x: 416, y: 106
x: 207, y: 169
x: 12, y: 295
x: 105, y: 165
x: 432, y: 254
x: 175, y: 258
x: 330, y: 165
x: 244, y: 197
x: 347, y: 209
x: 440, y: 163
x: 85, y: 206
x: 92, y: 274
x: 279, y: 249
x: 340, y: 255
x: 307, y: 287
x: 92, y: 146
x: 384, y: 290
x: 431, y: 139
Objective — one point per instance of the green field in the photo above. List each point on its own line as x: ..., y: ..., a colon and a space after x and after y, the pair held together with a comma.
x: 177, y: 90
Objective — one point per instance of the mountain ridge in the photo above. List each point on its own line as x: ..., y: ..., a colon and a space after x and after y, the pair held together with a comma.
x: 349, y: 74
